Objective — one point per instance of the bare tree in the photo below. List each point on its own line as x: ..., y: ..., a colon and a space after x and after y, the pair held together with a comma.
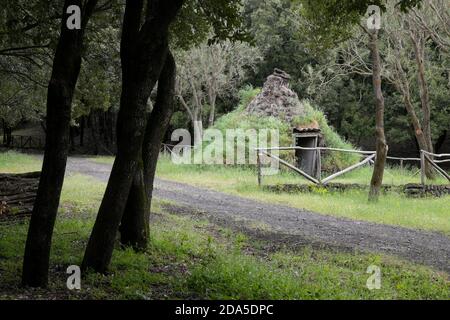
x: 405, y: 62
x: 208, y: 72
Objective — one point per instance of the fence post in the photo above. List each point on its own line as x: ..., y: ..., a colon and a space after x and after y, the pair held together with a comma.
x: 319, y: 166
x: 422, y: 168
x: 401, y: 164
x: 258, y: 159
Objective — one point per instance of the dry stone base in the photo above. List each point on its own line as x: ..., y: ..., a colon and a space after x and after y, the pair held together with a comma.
x: 411, y: 190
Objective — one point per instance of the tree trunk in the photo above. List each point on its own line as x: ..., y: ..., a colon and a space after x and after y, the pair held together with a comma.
x: 212, y: 112
x: 94, y: 135
x: 66, y: 68
x: 135, y: 221
x: 143, y: 54
x: 382, y: 148
x: 134, y: 227
x: 418, y: 132
x: 82, y: 124
x: 4, y: 131
x: 9, y: 136
x: 419, y: 49
x: 72, y: 138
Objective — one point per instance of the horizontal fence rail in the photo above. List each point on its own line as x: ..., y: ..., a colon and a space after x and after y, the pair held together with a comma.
x: 370, y: 157
x: 428, y: 157
x: 25, y: 142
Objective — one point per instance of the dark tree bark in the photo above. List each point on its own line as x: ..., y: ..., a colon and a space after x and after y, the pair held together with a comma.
x: 82, y: 124
x: 7, y: 134
x: 382, y: 148
x: 403, y: 87
x: 419, y: 50
x: 134, y: 227
x: 72, y: 134
x: 4, y: 131
x: 143, y: 54
x: 66, y: 68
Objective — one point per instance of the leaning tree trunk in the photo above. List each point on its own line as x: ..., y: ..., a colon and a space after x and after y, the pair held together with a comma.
x: 404, y: 88
x: 134, y: 227
x: 143, y: 54
x: 382, y: 148
x: 66, y: 68
x: 419, y: 50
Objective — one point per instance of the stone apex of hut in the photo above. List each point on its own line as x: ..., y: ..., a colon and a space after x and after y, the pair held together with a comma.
x: 277, y: 99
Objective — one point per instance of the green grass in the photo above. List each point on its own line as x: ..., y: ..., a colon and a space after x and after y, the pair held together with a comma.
x: 191, y: 258
x: 13, y: 162
x: 393, y: 208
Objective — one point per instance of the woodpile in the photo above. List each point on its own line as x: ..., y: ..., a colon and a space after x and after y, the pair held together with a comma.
x: 17, y: 194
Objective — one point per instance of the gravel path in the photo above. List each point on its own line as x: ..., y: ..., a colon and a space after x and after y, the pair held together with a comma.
x: 428, y: 248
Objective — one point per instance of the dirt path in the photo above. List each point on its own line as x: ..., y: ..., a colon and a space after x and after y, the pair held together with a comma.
x: 428, y: 248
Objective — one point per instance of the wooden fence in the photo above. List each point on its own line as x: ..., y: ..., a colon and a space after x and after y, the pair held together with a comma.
x: 369, y: 158
x: 319, y: 180
x: 167, y: 149
x: 428, y: 157
x: 26, y: 142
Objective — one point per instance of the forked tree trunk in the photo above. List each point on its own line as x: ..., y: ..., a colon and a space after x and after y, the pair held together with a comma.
x: 143, y: 54
x: 66, y: 68
x: 134, y: 227
x: 382, y: 148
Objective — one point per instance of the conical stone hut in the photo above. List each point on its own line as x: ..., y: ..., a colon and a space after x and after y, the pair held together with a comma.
x: 278, y: 100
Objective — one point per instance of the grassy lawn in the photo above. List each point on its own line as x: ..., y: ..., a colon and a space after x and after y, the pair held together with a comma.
x: 393, y: 208
x: 190, y: 258
x: 13, y: 162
